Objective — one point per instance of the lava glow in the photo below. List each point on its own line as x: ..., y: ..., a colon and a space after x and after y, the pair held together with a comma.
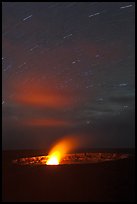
x: 61, y: 148
x: 54, y: 159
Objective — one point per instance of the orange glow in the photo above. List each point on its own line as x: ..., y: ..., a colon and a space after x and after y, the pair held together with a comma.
x: 48, y: 122
x: 64, y: 146
x: 47, y: 99
x: 44, y: 94
x: 54, y: 159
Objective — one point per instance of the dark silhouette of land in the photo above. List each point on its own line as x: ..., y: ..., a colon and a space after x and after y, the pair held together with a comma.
x: 100, y: 182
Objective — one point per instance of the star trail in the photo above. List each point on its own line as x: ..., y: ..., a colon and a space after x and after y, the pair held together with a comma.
x: 68, y: 68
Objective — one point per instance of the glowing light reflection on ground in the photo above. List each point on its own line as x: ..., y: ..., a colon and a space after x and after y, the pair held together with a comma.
x: 77, y: 158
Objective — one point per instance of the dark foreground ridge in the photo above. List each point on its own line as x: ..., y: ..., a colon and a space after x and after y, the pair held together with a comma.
x: 94, y: 182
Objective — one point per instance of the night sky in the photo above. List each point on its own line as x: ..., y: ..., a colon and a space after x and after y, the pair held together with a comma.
x: 68, y: 68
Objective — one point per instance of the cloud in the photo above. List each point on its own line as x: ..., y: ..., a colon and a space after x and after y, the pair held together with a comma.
x: 122, y: 99
x: 50, y: 122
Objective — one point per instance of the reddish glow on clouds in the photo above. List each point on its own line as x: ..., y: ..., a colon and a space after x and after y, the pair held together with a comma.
x: 51, y: 100
x: 48, y: 122
x: 43, y: 95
